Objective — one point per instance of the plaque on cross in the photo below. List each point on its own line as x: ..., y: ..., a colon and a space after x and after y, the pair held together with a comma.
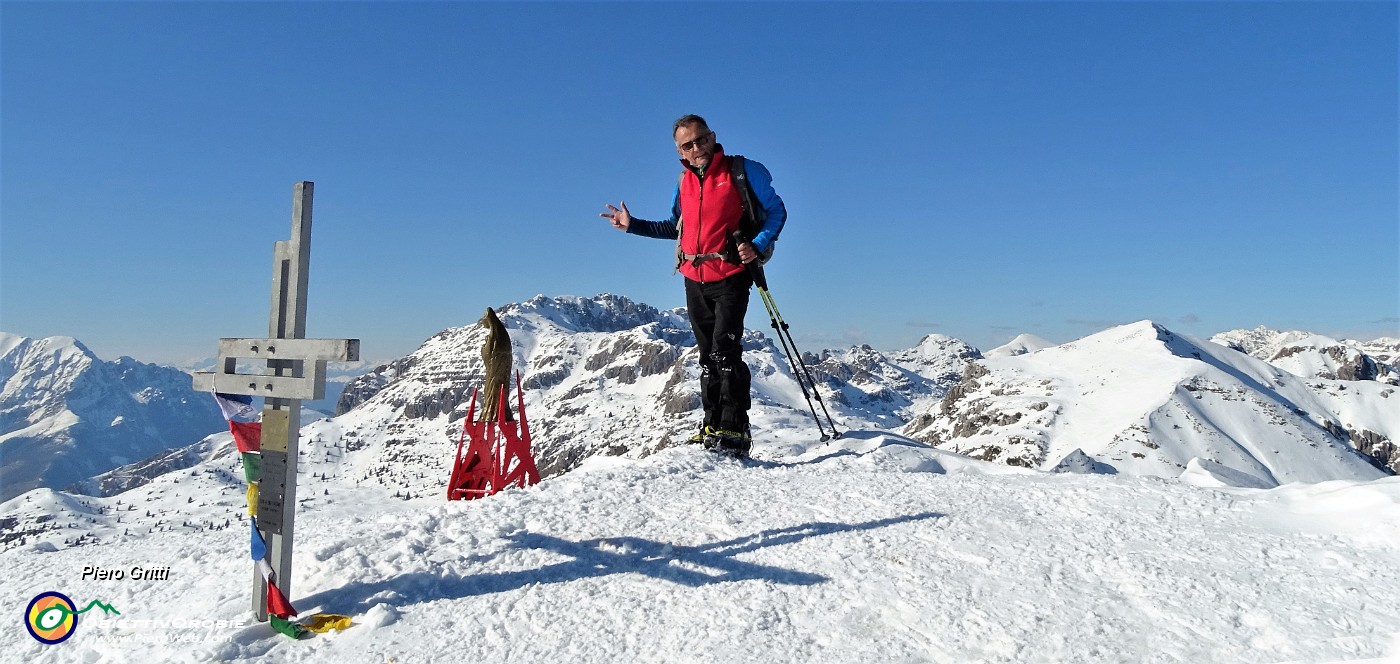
x: 296, y: 371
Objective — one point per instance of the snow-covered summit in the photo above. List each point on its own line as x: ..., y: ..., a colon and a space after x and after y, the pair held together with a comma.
x: 937, y: 357
x: 1140, y: 399
x: 602, y: 313
x: 1022, y: 344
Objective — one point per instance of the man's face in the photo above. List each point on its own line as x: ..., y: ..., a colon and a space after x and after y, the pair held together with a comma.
x: 695, y: 144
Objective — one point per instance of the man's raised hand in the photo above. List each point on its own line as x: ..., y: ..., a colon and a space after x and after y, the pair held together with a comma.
x: 620, y: 219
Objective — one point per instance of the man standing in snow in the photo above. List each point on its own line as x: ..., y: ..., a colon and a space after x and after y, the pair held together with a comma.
x: 708, y: 208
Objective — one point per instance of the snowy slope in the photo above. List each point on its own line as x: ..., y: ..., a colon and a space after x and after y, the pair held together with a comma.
x: 869, y: 388
x: 871, y: 548
x: 937, y: 357
x: 1384, y: 349
x: 1141, y: 400
x: 66, y: 415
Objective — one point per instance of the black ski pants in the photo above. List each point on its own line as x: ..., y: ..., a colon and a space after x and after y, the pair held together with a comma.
x: 717, y: 317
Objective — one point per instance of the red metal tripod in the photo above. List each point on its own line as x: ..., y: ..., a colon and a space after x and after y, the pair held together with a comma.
x: 499, y: 453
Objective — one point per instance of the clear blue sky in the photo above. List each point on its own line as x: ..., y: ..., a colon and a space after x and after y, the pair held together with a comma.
x: 976, y: 170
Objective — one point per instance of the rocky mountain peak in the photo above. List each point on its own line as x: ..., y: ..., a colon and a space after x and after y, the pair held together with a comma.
x: 602, y: 313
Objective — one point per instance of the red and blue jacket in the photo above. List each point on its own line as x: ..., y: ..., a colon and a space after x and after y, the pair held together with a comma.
x: 706, y: 211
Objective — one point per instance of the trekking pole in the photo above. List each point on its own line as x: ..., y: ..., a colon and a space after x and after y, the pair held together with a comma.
x: 768, y: 296
x: 794, y: 356
x: 796, y: 372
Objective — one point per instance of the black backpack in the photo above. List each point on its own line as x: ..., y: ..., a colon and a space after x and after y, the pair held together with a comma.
x: 754, y: 214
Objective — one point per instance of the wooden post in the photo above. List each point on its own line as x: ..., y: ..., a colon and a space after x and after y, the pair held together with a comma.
x: 285, y: 384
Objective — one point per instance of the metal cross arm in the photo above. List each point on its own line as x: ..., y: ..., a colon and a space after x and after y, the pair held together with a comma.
x: 300, y: 385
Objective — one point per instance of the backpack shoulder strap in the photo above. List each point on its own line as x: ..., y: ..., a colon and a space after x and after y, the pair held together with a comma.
x: 740, y: 175
x: 754, y: 214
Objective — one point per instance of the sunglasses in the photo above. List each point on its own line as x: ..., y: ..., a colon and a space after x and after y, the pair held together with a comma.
x: 699, y: 142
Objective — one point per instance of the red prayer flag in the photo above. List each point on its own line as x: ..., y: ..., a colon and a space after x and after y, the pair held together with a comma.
x: 247, y: 435
x: 277, y: 604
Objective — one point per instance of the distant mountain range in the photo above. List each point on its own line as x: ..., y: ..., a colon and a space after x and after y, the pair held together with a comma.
x: 609, y: 376
x: 66, y: 415
x: 1316, y: 356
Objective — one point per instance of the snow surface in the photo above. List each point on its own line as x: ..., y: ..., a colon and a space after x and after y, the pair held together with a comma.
x: 870, y: 548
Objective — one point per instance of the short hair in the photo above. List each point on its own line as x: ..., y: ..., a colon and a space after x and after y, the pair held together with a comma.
x: 689, y: 119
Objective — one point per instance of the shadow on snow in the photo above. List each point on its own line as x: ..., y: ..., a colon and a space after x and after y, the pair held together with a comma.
x: 692, y: 566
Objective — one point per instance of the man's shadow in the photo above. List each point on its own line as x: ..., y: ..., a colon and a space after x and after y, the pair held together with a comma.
x: 685, y: 565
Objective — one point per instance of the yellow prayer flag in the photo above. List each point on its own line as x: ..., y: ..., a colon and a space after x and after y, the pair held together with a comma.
x: 325, y: 622
x: 252, y: 499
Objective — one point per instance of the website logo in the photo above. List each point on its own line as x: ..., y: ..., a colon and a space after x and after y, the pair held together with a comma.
x: 52, y: 617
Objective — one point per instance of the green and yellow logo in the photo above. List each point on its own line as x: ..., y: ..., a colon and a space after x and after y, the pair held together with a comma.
x: 51, y: 617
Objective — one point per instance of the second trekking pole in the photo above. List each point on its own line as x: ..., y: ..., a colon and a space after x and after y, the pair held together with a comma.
x: 795, y: 361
